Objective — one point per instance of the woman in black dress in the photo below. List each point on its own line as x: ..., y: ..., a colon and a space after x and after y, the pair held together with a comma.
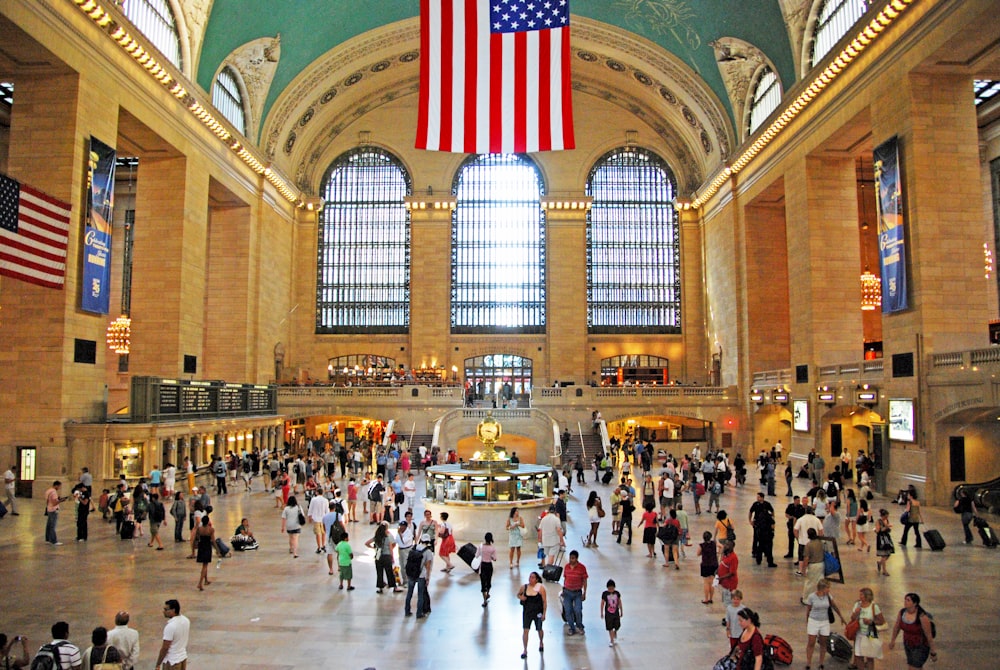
x: 709, y: 565
x: 534, y: 602
x: 204, y: 539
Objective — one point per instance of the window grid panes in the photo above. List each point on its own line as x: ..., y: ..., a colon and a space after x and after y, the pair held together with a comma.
x: 363, y: 283
x: 498, y: 247
x: 228, y: 99
x: 766, y: 97
x: 501, y: 377
x: 155, y: 20
x: 633, y: 245
x: 836, y: 17
x: 984, y: 90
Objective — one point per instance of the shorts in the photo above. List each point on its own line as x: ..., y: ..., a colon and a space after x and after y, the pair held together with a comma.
x: 612, y: 622
x: 708, y: 570
x: 346, y: 572
x: 376, y: 507
x: 528, y: 618
x: 550, y: 550
x: 319, y: 529
x: 917, y: 656
x: 294, y: 532
x: 817, y: 627
x: 154, y: 529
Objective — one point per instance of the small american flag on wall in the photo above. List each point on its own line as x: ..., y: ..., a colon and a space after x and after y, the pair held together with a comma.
x: 34, y: 233
x: 495, y: 76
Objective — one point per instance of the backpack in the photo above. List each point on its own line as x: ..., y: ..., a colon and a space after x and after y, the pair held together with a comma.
x: 338, y: 507
x: 716, y: 487
x: 336, y: 532
x: 47, y: 657
x: 699, y: 489
x: 831, y: 489
x: 668, y: 534
x: 375, y: 493
x: 414, y: 564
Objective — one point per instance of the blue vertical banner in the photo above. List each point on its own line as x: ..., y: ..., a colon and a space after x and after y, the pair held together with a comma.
x: 891, y: 226
x: 96, y: 286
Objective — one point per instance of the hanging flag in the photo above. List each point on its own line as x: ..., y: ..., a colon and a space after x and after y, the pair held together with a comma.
x: 494, y: 76
x: 95, y: 289
x: 34, y: 233
x: 891, y: 226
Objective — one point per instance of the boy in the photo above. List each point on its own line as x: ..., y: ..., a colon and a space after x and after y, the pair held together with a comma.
x: 611, y: 612
x: 732, y: 621
x: 344, y: 557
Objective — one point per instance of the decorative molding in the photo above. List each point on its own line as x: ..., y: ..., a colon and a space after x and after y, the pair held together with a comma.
x: 256, y: 61
x: 196, y: 13
x: 796, y: 16
x: 739, y: 61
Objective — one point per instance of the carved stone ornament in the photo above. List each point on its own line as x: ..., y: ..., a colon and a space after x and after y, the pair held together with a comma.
x: 196, y: 13
x: 738, y: 61
x: 256, y: 61
x: 796, y: 16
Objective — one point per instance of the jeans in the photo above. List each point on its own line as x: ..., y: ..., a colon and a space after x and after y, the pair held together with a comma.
x: 178, y: 529
x: 410, y: 586
x: 50, y: 527
x: 573, y: 608
x: 220, y: 485
x: 423, y: 598
x: 966, y: 520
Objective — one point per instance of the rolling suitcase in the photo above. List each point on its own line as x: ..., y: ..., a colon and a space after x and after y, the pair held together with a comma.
x: 780, y: 650
x: 839, y: 647
x: 985, y: 532
x: 934, y: 539
x: 467, y: 552
x: 606, y: 477
x: 553, y: 573
x: 128, y: 529
x: 222, y: 547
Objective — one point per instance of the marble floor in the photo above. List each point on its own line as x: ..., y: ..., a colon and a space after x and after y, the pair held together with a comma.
x: 265, y: 609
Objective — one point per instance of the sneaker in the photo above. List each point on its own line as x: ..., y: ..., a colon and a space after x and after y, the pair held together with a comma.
x: 57, y: 544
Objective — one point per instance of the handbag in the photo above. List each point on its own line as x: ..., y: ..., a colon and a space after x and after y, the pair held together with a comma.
x: 104, y: 665
x: 727, y: 662
x: 852, y: 628
x: 904, y: 518
x: 477, y: 560
x: 883, y: 542
x: 302, y: 518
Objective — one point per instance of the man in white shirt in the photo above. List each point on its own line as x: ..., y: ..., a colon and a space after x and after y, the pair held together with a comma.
x: 9, y: 480
x: 405, y: 541
x: 801, y: 530
x: 67, y: 654
x: 125, y: 640
x: 409, y: 492
x: 318, y: 508
x: 552, y: 534
x: 173, y: 652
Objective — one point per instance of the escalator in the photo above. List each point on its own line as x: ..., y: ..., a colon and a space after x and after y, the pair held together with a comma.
x: 986, y: 495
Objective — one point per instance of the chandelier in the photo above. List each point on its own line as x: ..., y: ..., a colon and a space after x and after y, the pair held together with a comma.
x: 871, y: 291
x: 120, y: 335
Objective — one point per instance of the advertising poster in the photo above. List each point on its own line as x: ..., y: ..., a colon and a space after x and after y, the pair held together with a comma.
x: 96, y: 285
x: 891, y: 227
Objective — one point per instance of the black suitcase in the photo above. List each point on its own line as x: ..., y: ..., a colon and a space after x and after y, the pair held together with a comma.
x: 839, y: 647
x: 222, y: 547
x: 553, y: 573
x: 467, y: 552
x: 985, y: 532
x: 128, y: 530
x: 934, y: 539
x: 606, y: 477
x: 3, y: 510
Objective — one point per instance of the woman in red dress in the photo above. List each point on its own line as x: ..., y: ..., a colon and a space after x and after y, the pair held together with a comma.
x: 447, y: 536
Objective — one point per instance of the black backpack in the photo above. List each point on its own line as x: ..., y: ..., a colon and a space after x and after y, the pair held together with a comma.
x: 668, y: 534
x: 47, y: 657
x: 831, y: 489
x: 337, y: 531
x: 414, y: 563
x: 375, y: 493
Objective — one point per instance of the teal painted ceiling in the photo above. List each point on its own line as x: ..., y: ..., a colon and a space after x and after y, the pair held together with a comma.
x: 310, y: 28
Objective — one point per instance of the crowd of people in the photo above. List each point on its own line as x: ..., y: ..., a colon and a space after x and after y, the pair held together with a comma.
x: 385, y: 489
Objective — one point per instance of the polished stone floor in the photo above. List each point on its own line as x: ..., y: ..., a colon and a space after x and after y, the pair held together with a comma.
x: 265, y: 609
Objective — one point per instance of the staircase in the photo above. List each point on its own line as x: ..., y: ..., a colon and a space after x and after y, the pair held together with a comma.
x: 590, y: 446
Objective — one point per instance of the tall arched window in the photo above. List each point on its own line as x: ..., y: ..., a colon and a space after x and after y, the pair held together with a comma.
x: 363, y: 278
x: 155, y: 20
x: 498, y: 247
x: 228, y: 98
x: 834, y: 19
x: 633, y: 245
x: 766, y: 96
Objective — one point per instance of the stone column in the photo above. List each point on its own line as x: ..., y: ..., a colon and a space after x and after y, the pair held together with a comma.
x: 566, y: 294
x: 692, y: 300
x: 430, y: 282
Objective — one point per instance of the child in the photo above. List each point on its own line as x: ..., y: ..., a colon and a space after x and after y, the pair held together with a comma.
x: 344, y: 557
x: 103, y: 504
x: 611, y: 612
x: 732, y: 621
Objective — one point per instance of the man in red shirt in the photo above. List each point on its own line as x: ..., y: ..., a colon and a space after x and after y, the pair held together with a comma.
x: 574, y: 592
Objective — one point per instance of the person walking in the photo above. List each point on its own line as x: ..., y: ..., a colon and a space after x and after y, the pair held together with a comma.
x: 628, y: 506
x: 918, y: 633
x: 173, y: 652
x: 84, y: 507
x: 813, y: 563
x: 863, y: 523
x: 534, y: 604
x: 965, y: 506
x: 912, y: 519
x: 515, y: 535
x: 595, y: 512
x: 751, y: 642
x: 179, y: 511
x: 447, y: 536
x: 292, y: 520
x: 883, y: 541
x: 612, y: 612
x: 851, y: 517
x: 728, y: 571
x: 203, y: 541
x: 10, y: 489
x: 345, y: 556
x: 487, y: 554
x: 648, y: 521
x: 867, y: 644
x: 819, y: 616
x: 709, y: 564
x: 383, y: 545
x: 574, y: 592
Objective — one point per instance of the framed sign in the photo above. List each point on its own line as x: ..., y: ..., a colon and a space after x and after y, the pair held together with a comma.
x: 800, y: 415
x: 901, y: 420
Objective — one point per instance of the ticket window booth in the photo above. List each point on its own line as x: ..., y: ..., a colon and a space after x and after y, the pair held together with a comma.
x: 129, y: 459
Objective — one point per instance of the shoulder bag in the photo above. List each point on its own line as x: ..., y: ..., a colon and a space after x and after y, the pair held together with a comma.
x: 104, y: 664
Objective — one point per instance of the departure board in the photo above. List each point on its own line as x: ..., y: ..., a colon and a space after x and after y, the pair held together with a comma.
x: 158, y: 399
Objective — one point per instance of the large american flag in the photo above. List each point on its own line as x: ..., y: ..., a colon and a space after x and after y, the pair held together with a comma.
x: 494, y: 76
x: 34, y: 232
